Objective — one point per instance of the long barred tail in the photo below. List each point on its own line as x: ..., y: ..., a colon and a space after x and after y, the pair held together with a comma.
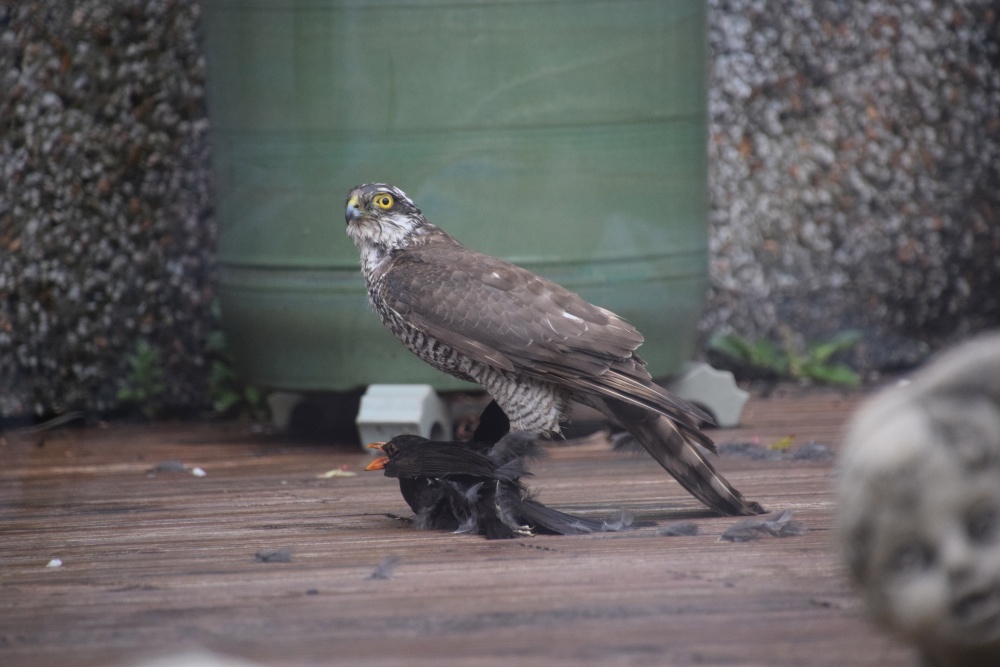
x: 683, y: 460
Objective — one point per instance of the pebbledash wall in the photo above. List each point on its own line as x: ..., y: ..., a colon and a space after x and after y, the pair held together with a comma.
x: 854, y: 178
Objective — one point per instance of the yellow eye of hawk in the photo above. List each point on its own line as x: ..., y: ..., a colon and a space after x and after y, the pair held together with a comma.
x: 384, y: 201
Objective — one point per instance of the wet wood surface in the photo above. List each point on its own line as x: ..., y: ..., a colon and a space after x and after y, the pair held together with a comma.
x: 158, y: 564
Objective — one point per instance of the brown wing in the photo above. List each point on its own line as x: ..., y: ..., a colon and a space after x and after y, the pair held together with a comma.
x: 505, y: 316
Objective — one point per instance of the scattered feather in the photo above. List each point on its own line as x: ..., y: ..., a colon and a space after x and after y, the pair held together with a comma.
x: 55, y: 562
x: 385, y: 568
x: 678, y: 529
x: 166, y: 467
x: 281, y: 555
x: 172, y: 467
x: 779, y: 450
x: 749, y: 449
x: 824, y: 604
x: 814, y: 451
x: 624, y: 519
x: 773, y: 525
x: 470, y: 524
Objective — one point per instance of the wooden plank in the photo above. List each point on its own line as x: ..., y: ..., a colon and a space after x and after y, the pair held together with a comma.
x: 157, y: 564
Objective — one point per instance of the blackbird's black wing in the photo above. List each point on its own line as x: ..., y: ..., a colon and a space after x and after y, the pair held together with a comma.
x: 440, y: 459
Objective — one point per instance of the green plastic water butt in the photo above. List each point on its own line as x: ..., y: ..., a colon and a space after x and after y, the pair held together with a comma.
x: 567, y: 137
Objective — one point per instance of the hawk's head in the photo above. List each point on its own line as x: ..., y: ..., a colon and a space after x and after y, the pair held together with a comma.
x: 381, y: 218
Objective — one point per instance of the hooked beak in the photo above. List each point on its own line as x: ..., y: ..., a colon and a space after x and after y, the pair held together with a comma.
x: 353, y: 211
x: 379, y: 463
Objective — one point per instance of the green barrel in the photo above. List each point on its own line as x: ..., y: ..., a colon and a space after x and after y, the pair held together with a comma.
x: 567, y: 137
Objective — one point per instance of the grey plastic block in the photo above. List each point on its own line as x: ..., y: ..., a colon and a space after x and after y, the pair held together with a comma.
x: 713, y: 390
x: 388, y: 410
x: 281, y: 404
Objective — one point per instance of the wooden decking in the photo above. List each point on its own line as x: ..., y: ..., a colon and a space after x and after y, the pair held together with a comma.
x: 160, y: 564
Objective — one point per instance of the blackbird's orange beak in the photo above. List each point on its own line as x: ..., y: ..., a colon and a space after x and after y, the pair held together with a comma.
x: 379, y: 463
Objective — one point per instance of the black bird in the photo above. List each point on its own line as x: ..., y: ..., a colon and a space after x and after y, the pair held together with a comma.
x: 532, y: 344
x: 493, y: 425
x: 476, y: 487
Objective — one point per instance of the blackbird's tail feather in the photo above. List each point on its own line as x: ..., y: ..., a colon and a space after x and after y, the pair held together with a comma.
x: 682, y: 459
x: 545, y: 519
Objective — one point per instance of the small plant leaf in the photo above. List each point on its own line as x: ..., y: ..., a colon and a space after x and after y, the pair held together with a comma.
x: 224, y: 400
x: 813, y: 364
x: 731, y: 345
x: 845, y: 340
x: 144, y: 384
x: 833, y: 374
x: 219, y: 375
x: 253, y: 395
x: 767, y: 355
x: 229, y: 393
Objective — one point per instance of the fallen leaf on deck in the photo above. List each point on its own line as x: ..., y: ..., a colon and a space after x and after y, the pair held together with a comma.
x: 337, y: 472
x: 782, y: 444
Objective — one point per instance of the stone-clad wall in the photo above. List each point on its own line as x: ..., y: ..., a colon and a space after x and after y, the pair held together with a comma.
x: 854, y: 173
x: 855, y: 170
x: 106, y: 230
